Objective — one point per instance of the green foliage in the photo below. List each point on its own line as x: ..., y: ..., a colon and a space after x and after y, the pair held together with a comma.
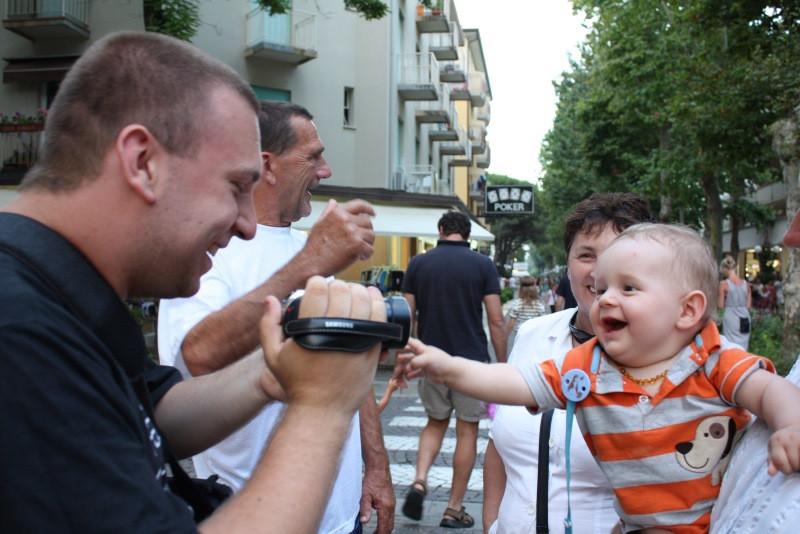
x: 178, y: 18
x: 506, y: 294
x: 766, y: 337
x: 673, y: 99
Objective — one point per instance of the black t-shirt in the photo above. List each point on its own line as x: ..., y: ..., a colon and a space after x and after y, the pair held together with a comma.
x: 565, y: 290
x: 79, y: 453
x: 448, y: 284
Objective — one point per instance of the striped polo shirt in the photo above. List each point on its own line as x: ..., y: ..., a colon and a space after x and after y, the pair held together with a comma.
x: 664, y: 455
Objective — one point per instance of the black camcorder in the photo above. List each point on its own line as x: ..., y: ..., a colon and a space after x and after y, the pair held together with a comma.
x: 343, y: 333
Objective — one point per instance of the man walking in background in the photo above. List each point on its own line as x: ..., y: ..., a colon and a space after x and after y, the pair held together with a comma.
x: 447, y: 286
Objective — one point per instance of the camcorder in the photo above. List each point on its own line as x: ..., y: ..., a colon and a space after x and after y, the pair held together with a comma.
x: 344, y: 333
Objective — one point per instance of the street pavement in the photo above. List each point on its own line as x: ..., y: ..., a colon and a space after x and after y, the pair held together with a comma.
x: 402, y: 422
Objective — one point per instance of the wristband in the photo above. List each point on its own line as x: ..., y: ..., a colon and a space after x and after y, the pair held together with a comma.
x: 335, y: 333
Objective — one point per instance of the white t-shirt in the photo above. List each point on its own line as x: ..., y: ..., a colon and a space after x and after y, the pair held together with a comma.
x: 516, y: 436
x: 237, y: 269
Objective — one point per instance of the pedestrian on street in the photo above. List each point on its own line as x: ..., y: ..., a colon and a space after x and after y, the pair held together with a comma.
x: 447, y: 287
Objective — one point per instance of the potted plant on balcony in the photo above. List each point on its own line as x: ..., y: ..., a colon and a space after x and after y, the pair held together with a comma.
x: 18, y: 122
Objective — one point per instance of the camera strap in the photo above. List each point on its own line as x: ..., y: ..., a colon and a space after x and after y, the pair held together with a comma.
x: 344, y: 334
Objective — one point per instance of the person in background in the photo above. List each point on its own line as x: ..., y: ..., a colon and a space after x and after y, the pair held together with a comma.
x: 736, y: 299
x: 527, y: 306
x: 565, y: 298
x: 449, y: 286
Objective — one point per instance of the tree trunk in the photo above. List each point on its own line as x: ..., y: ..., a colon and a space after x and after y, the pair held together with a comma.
x: 714, y: 205
x: 665, y: 213
x: 786, y: 144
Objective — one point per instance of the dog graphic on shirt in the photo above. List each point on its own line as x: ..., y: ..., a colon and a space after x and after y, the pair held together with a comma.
x: 710, y: 450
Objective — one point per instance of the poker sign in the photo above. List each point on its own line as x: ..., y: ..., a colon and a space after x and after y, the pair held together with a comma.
x: 508, y: 199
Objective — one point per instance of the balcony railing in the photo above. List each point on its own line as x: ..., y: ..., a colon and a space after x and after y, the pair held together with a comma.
x: 477, y: 136
x: 420, y: 179
x: 484, y: 113
x: 459, y: 147
x: 288, y: 38
x: 439, y: 111
x: 36, y: 19
x: 418, y: 78
x: 19, y: 150
x: 434, y: 20
x: 478, y: 88
x: 454, y: 71
x: 445, y: 45
x: 484, y: 160
x: 445, y: 132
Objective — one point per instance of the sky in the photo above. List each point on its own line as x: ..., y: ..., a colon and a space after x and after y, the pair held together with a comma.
x: 526, y: 44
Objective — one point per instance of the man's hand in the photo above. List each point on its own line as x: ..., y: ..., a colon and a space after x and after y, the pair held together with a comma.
x: 377, y: 492
x: 331, y: 381
x: 342, y: 235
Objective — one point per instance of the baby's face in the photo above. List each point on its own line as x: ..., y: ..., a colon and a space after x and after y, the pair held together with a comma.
x: 638, y: 302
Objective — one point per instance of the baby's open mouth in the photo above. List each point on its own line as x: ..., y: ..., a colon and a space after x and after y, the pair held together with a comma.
x: 614, y: 324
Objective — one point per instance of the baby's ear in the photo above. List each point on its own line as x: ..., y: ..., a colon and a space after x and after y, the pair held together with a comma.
x: 693, y: 309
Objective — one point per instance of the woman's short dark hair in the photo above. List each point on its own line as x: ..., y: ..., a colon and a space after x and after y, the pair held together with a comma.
x: 591, y: 215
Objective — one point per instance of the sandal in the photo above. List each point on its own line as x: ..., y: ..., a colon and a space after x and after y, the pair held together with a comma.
x: 413, y: 505
x: 462, y: 519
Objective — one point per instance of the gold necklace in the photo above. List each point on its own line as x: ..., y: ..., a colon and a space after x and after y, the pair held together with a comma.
x: 642, y: 381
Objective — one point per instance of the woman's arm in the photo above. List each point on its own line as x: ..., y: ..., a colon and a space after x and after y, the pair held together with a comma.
x: 723, y: 290
x: 494, y: 484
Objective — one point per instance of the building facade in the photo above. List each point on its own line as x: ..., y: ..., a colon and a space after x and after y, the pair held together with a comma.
x: 402, y: 103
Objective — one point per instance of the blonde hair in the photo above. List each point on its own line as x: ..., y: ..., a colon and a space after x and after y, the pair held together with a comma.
x: 728, y: 263
x: 694, y: 265
x: 527, y: 290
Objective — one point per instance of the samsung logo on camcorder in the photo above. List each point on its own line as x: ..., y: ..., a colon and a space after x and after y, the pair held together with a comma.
x: 338, y: 324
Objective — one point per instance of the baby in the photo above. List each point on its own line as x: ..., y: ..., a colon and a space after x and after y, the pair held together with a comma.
x: 667, y: 396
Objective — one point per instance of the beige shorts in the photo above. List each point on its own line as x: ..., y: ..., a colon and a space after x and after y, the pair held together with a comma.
x: 440, y: 401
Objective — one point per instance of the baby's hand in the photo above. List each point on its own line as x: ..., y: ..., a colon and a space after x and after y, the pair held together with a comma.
x: 421, y: 359
x: 784, y: 450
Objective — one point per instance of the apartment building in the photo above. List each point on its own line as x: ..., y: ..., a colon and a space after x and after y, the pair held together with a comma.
x: 402, y: 103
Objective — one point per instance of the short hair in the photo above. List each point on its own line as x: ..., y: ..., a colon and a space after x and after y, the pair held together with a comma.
x: 594, y: 213
x: 695, y: 267
x: 274, y: 121
x: 455, y: 222
x: 527, y: 290
x: 127, y: 78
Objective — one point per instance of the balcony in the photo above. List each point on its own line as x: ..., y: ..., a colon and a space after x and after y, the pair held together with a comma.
x: 477, y: 186
x: 435, y: 20
x: 484, y: 113
x: 478, y: 88
x: 459, y: 147
x: 288, y: 38
x: 417, y: 79
x: 445, y: 45
x: 436, y: 111
x: 484, y: 160
x: 19, y: 150
x: 45, y: 19
x: 477, y: 136
x: 445, y: 132
x: 420, y: 179
x: 453, y: 71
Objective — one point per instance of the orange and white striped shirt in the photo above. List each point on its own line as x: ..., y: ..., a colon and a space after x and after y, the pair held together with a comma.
x: 664, y: 455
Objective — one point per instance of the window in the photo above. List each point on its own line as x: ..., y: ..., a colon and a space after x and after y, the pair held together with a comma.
x: 349, y: 109
x: 267, y: 93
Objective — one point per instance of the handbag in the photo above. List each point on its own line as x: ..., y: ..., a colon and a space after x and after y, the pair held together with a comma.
x: 744, y: 325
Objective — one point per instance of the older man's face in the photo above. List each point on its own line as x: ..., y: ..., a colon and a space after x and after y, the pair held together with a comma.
x: 299, y: 171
